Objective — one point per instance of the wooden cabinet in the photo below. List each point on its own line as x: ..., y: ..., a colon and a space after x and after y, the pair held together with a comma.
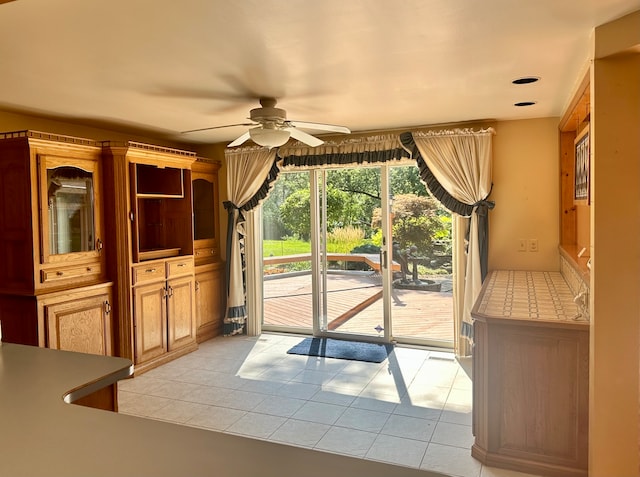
x: 154, y: 266
x: 210, y: 282
x: 210, y: 300
x: 206, y: 221
x: 575, y: 215
x: 78, y: 321
x: 530, y: 376
x: 164, y: 309
x: 150, y: 315
x: 51, y: 242
x: 51, y: 212
x: 100, y: 243
x: 181, y: 312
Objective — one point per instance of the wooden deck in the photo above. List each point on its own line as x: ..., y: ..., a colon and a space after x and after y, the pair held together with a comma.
x: 415, y: 314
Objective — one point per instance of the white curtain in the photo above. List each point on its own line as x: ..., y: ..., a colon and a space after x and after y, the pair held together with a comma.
x: 460, y: 160
x: 247, y: 171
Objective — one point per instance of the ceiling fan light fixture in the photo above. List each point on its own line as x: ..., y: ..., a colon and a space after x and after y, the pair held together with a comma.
x: 269, y: 137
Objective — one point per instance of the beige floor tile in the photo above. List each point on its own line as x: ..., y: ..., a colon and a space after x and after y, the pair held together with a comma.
x: 453, y: 435
x: 256, y: 425
x: 216, y: 418
x: 409, y: 427
x: 347, y: 441
x: 363, y: 419
x: 397, y: 450
x: 300, y: 433
x: 450, y: 460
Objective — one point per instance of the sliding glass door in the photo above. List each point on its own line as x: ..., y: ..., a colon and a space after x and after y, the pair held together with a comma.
x: 360, y: 253
x: 351, y: 254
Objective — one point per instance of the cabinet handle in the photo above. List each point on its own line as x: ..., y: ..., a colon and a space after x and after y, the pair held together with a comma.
x: 197, y: 285
x: 170, y: 289
x: 150, y: 270
x: 89, y: 269
x: 107, y: 307
x: 99, y: 246
x: 58, y: 273
x: 182, y: 264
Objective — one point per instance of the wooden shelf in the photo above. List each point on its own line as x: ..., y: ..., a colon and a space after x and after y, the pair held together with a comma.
x: 575, y: 217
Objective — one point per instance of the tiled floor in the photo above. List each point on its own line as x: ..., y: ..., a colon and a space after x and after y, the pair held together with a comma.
x: 413, y: 409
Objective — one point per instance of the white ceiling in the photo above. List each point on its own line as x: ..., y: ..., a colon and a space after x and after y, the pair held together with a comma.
x: 168, y: 66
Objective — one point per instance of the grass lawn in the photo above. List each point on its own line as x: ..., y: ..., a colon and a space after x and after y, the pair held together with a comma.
x: 277, y: 248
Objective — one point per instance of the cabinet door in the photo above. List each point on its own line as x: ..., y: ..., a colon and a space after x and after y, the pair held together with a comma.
x: 70, y: 221
x: 181, y: 312
x: 205, y: 211
x: 81, y: 324
x: 209, y: 303
x: 150, y: 320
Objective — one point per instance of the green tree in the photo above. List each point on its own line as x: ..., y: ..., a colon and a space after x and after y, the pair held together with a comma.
x: 406, y: 180
x: 362, y: 185
x: 295, y: 211
x: 287, y: 183
x: 415, y: 223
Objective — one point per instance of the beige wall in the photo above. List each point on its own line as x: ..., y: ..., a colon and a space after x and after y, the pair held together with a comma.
x: 614, y: 394
x: 526, y: 193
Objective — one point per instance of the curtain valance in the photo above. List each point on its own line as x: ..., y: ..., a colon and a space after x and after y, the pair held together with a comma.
x: 365, y: 150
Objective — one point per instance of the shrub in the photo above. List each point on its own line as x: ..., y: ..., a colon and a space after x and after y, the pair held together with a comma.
x: 344, y: 239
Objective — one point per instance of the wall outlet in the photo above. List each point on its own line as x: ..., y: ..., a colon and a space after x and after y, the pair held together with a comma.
x: 533, y: 245
x: 522, y: 245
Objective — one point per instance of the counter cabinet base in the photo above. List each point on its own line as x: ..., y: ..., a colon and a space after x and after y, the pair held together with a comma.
x: 105, y: 399
x: 524, y: 465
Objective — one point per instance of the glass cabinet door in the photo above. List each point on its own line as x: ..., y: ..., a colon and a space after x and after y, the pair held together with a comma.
x: 69, y: 223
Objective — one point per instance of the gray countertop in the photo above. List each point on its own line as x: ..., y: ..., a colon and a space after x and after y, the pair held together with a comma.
x: 44, y: 436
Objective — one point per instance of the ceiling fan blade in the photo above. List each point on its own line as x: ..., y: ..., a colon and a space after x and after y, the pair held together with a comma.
x: 218, y: 127
x: 320, y: 127
x: 240, y: 140
x: 304, y: 137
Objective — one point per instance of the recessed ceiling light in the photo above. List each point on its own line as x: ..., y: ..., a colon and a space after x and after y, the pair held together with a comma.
x: 526, y: 80
x: 525, y: 103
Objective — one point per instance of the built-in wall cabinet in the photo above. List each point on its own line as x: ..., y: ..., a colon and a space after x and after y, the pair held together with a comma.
x: 108, y: 247
x: 209, y: 272
x: 156, y: 215
x: 54, y: 288
x: 575, y: 193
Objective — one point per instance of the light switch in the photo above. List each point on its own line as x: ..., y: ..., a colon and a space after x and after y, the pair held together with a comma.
x: 522, y: 245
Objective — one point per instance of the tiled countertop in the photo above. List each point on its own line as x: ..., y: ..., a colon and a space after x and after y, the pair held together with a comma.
x: 527, y: 295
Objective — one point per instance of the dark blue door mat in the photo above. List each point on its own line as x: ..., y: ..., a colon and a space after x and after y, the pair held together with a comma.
x: 341, y: 349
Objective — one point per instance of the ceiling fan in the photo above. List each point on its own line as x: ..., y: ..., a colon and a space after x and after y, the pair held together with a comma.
x: 273, y: 129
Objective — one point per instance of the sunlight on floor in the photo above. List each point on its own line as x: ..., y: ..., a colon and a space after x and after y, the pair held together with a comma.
x: 413, y: 409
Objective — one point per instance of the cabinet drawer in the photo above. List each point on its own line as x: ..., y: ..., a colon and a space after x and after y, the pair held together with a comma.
x: 149, y: 272
x: 86, y: 272
x: 206, y: 252
x: 180, y: 267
